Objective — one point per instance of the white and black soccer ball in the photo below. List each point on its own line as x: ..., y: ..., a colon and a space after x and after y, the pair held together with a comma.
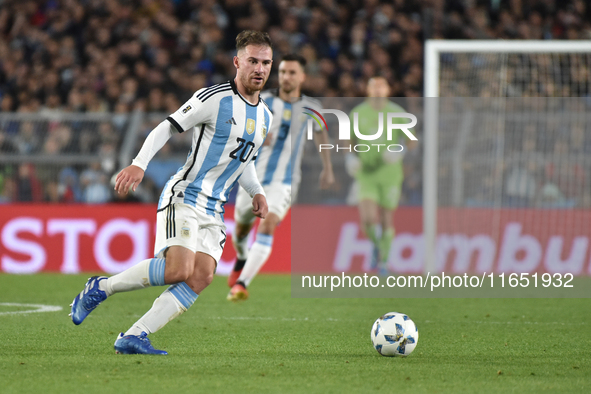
x: 394, y: 334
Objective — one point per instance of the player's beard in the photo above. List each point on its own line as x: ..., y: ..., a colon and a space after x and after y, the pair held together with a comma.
x: 287, y: 88
x: 251, y: 86
x: 286, y: 85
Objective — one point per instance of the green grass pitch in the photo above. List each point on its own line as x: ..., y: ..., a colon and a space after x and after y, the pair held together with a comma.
x: 275, y: 344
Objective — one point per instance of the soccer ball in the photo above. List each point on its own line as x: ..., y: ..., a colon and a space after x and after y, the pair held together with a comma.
x: 394, y: 334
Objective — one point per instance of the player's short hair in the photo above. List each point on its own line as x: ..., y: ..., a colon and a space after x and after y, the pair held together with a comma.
x: 252, y: 37
x: 293, y: 57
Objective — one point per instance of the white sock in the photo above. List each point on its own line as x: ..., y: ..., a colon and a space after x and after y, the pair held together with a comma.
x: 173, y: 302
x: 257, y: 257
x: 146, y: 273
x: 241, y: 247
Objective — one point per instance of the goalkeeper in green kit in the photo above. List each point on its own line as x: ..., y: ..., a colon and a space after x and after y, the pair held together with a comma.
x: 378, y: 172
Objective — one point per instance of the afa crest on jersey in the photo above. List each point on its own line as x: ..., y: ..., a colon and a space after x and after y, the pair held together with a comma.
x: 250, y: 126
x: 287, y: 114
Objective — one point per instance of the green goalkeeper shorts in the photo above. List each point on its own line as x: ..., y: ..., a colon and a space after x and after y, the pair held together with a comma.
x: 383, y: 187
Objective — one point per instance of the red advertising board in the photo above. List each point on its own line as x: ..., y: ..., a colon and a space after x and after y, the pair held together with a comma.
x: 329, y: 239
x: 111, y: 238
x: 107, y: 238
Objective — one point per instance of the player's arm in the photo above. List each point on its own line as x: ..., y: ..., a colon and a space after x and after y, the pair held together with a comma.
x: 193, y: 112
x: 131, y: 176
x: 250, y: 183
x: 327, y: 174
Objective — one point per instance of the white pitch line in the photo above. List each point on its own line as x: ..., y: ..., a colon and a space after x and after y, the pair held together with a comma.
x: 40, y: 308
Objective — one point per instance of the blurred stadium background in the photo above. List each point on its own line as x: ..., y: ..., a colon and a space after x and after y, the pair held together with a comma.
x: 83, y: 82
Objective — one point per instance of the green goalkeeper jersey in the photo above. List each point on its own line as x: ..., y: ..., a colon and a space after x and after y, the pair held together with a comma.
x: 372, y: 161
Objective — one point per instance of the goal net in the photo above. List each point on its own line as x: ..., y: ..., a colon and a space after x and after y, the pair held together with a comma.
x: 507, y: 159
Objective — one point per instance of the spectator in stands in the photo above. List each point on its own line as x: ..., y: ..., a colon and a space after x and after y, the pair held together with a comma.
x: 52, y: 192
x: 107, y: 133
x: 98, y: 56
x: 28, y: 187
x: 6, y: 145
x: 7, y: 189
x: 121, y: 117
x: 68, y: 188
x: 565, y: 172
x: 108, y: 156
x: 7, y: 103
x: 63, y: 135
x: 95, y: 189
x: 27, y: 140
x: 521, y: 184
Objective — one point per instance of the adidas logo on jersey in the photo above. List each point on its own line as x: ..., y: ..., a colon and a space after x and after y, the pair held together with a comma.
x: 231, y: 121
x: 180, y: 195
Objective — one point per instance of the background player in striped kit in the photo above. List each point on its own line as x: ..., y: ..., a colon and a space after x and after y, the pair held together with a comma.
x: 274, y: 168
x: 230, y: 123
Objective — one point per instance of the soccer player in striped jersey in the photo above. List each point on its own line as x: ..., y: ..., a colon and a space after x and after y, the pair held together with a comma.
x: 274, y: 168
x: 229, y: 123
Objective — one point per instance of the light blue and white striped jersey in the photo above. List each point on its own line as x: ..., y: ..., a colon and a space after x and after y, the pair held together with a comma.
x: 227, y: 135
x: 287, y: 135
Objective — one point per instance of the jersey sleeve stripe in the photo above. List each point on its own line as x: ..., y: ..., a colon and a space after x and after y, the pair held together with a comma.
x: 213, y: 93
x: 210, y: 89
x: 175, y: 124
x: 209, y: 92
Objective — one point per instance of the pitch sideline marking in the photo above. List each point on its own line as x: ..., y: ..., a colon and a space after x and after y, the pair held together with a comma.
x: 40, y: 308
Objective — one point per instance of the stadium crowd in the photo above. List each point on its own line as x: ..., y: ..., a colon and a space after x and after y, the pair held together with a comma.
x: 117, y: 56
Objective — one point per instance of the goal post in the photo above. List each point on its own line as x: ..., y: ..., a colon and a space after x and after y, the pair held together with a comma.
x: 506, y: 70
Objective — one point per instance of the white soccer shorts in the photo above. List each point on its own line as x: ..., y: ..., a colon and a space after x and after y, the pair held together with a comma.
x: 187, y: 226
x: 278, y: 200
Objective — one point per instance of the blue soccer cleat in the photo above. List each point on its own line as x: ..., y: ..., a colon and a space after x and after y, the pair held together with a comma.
x: 87, y: 300
x: 136, y: 344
